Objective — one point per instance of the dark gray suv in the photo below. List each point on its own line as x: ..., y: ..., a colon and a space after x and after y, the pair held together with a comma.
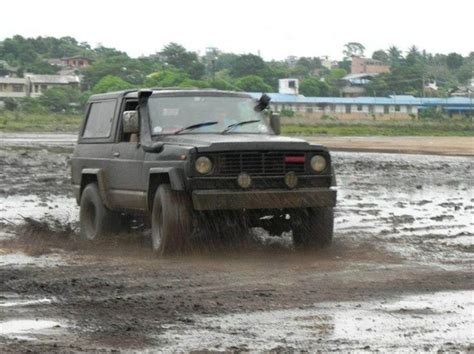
x: 198, y: 160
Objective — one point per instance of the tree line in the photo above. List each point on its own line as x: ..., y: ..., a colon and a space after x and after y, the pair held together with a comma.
x: 175, y: 66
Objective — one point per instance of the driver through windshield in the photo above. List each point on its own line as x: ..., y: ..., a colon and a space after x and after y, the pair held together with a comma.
x: 205, y: 114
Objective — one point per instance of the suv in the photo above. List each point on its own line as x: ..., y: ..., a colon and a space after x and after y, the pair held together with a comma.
x: 195, y: 160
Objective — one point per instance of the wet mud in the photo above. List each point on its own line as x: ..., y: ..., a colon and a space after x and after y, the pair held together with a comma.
x: 398, y: 276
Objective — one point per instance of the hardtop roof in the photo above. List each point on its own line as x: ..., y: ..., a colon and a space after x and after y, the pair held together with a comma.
x: 168, y: 92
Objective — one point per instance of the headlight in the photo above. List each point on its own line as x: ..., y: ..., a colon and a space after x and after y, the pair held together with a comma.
x: 318, y: 163
x: 203, y: 165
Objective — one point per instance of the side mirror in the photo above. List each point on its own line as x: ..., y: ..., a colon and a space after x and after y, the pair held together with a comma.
x: 262, y: 103
x: 130, y: 122
x: 275, y: 123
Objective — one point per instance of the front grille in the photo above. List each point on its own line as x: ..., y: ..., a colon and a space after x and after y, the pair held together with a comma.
x: 261, y: 183
x: 258, y: 163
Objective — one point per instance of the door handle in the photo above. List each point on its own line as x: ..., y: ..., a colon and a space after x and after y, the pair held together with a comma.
x: 116, y: 154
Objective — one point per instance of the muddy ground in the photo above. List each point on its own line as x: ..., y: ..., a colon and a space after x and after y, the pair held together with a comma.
x: 398, y: 276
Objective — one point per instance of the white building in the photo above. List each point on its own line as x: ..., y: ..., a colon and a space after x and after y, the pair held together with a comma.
x: 288, y: 86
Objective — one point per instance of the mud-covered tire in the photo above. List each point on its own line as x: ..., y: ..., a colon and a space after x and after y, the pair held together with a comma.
x: 96, y: 221
x: 313, y: 228
x: 171, y: 220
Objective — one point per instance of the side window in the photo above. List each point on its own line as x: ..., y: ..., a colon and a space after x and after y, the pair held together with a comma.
x: 100, y: 119
x: 130, y: 105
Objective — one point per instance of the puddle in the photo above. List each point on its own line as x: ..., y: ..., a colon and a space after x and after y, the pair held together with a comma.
x: 37, y: 139
x: 21, y: 260
x: 420, y: 322
x: 18, y: 303
x: 14, y: 208
x: 29, y: 329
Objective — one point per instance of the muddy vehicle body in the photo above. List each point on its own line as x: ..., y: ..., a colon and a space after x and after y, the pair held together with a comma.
x: 198, y: 160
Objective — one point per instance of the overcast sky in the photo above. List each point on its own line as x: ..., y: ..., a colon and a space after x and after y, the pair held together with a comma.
x: 274, y: 28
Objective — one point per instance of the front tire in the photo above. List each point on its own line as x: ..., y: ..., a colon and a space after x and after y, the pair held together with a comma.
x: 313, y: 228
x: 171, y: 220
x: 96, y: 221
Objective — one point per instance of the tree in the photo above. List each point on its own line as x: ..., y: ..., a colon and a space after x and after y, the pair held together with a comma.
x: 252, y: 83
x: 381, y: 55
x: 177, y: 56
x: 122, y: 66
x: 314, y: 87
x: 395, y: 55
x: 413, y: 56
x: 60, y: 99
x: 111, y: 83
x: 247, y: 64
x: 454, y: 60
x: 166, y: 78
x: 353, y: 48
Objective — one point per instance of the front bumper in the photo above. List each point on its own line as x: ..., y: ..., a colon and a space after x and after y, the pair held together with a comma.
x: 263, y: 199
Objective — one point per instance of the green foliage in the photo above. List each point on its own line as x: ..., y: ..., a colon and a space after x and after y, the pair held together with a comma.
x: 246, y: 65
x: 328, y: 117
x: 381, y: 55
x: 31, y: 105
x: 287, y: 113
x: 28, y: 52
x: 166, y: 78
x: 382, y: 129
x: 128, y: 69
x: 195, y: 84
x: 59, y: 99
x: 10, y: 104
x: 432, y: 114
x: 111, y: 83
x: 454, y: 60
x: 252, y: 83
x: 178, y: 57
x: 353, y: 48
x: 38, y: 122
x: 314, y: 87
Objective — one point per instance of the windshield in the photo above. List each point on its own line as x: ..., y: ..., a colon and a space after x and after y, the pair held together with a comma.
x: 171, y: 115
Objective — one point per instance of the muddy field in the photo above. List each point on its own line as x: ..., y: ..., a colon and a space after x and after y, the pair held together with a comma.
x: 398, y: 276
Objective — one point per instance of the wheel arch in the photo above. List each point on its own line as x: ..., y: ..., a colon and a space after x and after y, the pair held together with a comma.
x: 94, y: 175
x: 168, y: 175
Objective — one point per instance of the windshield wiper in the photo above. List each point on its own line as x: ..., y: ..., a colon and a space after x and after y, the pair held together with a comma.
x: 232, y: 126
x: 195, y: 126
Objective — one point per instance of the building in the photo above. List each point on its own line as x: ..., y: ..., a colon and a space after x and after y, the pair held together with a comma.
x: 32, y: 85
x: 288, y: 86
x: 368, y: 66
x: 397, y: 107
x: 13, y: 87
x: 40, y: 83
x: 328, y: 63
x: 291, y: 60
x: 77, y: 61
x: 353, y: 85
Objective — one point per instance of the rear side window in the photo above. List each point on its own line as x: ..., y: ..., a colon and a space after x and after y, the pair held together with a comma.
x: 99, y: 120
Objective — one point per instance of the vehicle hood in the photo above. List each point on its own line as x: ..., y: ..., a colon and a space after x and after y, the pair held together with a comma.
x: 234, y: 142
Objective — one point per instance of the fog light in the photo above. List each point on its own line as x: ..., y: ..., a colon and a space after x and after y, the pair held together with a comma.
x: 244, y: 180
x: 291, y: 179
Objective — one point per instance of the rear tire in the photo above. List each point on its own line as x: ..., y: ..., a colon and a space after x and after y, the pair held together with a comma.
x: 95, y: 219
x: 171, y: 220
x: 313, y: 228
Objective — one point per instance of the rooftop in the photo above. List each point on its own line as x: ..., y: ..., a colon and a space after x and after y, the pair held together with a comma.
x: 391, y: 100
x: 52, y: 79
x: 12, y: 80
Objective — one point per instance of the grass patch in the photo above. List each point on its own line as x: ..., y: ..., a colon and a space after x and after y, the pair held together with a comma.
x: 41, y: 122
x: 383, y: 129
